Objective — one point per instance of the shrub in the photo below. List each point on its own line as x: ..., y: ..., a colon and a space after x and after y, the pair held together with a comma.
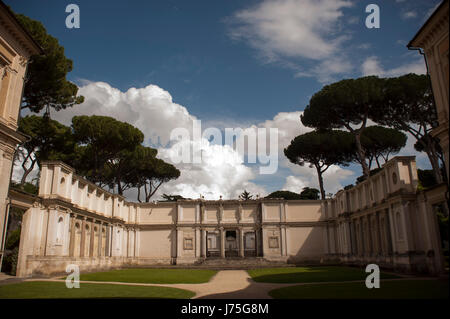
x: 13, y: 239
x: 10, y: 261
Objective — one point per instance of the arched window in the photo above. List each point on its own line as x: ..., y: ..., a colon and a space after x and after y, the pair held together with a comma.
x: 394, y: 178
x: 59, y: 230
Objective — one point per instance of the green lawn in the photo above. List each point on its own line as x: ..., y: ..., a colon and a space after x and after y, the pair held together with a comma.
x: 404, y: 289
x: 154, y: 276
x: 311, y: 274
x: 39, y: 289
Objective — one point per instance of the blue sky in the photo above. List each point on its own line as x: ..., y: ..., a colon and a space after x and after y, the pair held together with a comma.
x: 230, y: 63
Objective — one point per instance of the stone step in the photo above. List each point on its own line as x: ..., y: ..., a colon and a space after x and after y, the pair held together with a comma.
x: 239, y: 262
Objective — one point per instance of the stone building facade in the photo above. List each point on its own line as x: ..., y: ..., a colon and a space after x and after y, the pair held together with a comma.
x: 383, y: 220
x: 432, y: 38
x: 16, y: 48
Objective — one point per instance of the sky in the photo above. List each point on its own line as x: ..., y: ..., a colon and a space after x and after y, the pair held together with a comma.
x: 160, y: 65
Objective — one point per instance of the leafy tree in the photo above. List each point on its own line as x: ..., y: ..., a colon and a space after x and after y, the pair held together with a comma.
x: 346, y: 104
x: 408, y: 106
x: 46, y: 85
x: 149, y: 172
x: 419, y: 147
x: 48, y: 140
x: 284, y: 194
x: 426, y: 178
x: 171, y: 198
x: 26, y: 187
x: 321, y: 149
x: 13, y: 239
x: 380, y: 142
x: 110, y: 153
x: 245, y: 195
x: 309, y: 193
x: 106, y: 147
x: 371, y: 173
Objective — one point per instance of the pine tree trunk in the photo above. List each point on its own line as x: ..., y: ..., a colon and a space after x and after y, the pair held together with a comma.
x: 319, y: 174
x: 27, y: 172
x: 361, y: 154
x: 378, y: 162
x: 435, y: 165
x: 430, y: 149
x: 119, y: 188
x: 139, y: 194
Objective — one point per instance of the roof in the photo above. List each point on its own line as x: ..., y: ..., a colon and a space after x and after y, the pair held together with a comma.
x: 34, y: 46
x: 410, y: 45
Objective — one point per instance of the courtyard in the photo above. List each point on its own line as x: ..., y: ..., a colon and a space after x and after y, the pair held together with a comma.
x: 263, y: 283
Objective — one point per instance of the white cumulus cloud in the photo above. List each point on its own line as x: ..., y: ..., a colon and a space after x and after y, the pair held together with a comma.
x: 152, y: 110
x: 372, y: 66
x: 283, y: 30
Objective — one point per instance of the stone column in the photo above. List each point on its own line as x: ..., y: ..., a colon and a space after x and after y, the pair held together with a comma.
x: 107, y: 241
x: 202, y: 214
x: 241, y: 242
x: 407, y: 227
x: 130, y: 243
x: 197, y: 243
x: 222, y: 242
x: 240, y: 213
x: 258, y: 250
x: 283, y: 234
x: 112, y: 237
x: 282, y: 241
x: 378, y: 234
x: 83, y: 236
x: 72, y: 234
x: 56, y: 179
x: 392, y: 232
x: 180, y: 246
x: 135, y: 247
x: 362, y: 236
x: 92, y: 239
x: 100, y: 239
x: 204, y: 243
x: 220, y: 213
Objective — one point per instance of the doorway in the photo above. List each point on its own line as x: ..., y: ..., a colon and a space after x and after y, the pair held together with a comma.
x: 231, y: 246
x: 212, y: 244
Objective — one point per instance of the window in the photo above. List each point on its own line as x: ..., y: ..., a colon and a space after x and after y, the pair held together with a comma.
x: 249, y: 242
x: 188, y: 244
x: 212, y: 240
x: 59, y: 230
x: 273, y: 242
x: 394, y: 178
